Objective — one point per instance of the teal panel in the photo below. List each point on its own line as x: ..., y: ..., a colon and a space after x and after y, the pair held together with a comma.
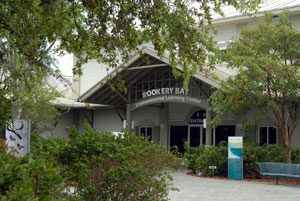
x: 235, y: 163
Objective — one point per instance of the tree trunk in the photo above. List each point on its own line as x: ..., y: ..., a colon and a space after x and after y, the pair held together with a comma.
x: 288, y: 155
x: 16, y: 109
x: 18, y: 86
x: 286, y: 142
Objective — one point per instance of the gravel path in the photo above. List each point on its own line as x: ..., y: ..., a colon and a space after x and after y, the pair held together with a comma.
x: 197, y: 189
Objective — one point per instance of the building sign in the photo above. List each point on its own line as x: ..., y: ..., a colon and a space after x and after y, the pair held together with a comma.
x: 17, y: 137
x: 165, y: 91
x: 198, y: 117
x: 169, y: 98
x: 164, y: 95
x: 235, y: 158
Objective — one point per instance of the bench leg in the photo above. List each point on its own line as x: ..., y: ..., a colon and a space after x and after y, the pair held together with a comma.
x: 276, y: 180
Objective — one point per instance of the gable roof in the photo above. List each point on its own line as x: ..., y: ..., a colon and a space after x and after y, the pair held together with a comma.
x: 160, y: 62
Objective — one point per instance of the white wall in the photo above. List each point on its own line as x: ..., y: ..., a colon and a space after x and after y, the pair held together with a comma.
x: 107, y: 120
x: 146, y: 116
x: 65, y: 122
x: 179, y: 112
x: 227, y: 31
x: 92, y: 72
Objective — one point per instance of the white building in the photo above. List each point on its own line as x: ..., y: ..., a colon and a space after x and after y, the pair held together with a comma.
x: 157, y: 106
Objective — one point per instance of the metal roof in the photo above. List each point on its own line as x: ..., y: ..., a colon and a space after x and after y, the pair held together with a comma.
x: 276, y: 6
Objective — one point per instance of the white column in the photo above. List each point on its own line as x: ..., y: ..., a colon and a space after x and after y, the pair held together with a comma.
x: 208, y: 137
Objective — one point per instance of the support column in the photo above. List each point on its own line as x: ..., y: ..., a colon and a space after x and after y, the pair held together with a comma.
x: 208, y: 137
x: 163, y: 128
x: 128, y: 111
x: 128, y: 117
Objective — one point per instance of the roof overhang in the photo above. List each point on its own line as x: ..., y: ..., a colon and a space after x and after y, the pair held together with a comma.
x: 164, y: 61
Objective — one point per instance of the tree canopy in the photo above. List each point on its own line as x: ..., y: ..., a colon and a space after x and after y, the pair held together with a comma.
x: 268, y: 62
x: 31, y: 32
x: 104, y: 29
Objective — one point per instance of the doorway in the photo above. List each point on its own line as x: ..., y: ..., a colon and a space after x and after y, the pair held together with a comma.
x: 178, y: 136
x: 196, y: 135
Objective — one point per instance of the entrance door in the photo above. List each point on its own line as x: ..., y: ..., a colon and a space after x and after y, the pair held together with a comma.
x: 196, y: 135
x: 178, y: 136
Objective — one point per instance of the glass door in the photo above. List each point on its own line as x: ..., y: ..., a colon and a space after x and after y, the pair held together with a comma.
x: 196, y: 135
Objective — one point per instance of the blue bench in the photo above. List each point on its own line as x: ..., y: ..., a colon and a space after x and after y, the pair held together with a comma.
x: 275, y: 169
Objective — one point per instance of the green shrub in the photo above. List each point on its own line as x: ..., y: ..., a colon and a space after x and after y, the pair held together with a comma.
x: 105, y: 167
x: 191, y: 154
x: 253, y: 153
x: 47, y: 148
x: 200, y: 159
x: 28, y: 179
x: 213, y: 156
x: 296, y: 156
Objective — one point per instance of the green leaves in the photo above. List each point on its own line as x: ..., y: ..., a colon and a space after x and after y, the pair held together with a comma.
x: 107, y: 31
x: 28, y: 179
x: 265, y: 57
x: 268, y: 61
x: 105, y: 167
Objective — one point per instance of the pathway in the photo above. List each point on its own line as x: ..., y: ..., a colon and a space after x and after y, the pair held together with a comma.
x: 206, y: 189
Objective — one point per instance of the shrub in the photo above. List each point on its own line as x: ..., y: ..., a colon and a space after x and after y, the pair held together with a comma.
x: 213, y: 156
x: 296, y: 156
x: 253, y: 153
x: 201, y: 159
x: 117, y: 168
x: 191, y: 154
x: 28, y: 179
x: 47, y: 148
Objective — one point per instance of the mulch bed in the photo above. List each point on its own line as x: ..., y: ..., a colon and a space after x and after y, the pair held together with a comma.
x: 250, y: 179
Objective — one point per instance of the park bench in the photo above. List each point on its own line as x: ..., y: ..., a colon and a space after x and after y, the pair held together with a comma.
x: 275, y: 169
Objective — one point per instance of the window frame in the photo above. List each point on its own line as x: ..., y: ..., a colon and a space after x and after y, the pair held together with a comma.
x: 146, y: 127
x: 201, y: 133
x: 268, y: 136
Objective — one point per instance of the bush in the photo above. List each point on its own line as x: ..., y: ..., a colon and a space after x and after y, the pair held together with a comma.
x: 253, y: 153
x: 191, y: 154
x: 200, y: 160
x: 47, y: 148
x: 28, y: 179
x: 213, y: 156
x: 296, y: 156
x: 105, y: 167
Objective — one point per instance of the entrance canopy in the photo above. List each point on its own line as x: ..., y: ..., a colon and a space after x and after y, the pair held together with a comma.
x: 147, y: 80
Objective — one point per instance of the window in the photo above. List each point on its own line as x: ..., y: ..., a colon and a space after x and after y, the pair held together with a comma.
x: 146, y: 132
x: 267, y: 135
x: 221, y: 133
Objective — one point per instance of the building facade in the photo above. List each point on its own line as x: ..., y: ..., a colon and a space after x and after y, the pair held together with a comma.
x: 155, y: 104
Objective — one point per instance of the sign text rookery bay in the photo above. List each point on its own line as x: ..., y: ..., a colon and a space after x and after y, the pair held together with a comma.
x: 165, y: 91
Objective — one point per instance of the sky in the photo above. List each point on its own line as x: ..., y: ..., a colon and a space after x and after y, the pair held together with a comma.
x: 65, y: 64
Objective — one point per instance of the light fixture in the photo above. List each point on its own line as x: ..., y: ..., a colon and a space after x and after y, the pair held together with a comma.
x: 239, y: 126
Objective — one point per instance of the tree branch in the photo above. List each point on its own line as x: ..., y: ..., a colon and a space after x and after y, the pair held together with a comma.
x: 265, y: 112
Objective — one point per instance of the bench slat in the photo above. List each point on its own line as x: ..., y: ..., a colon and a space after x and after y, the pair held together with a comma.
x: 276, y: 169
